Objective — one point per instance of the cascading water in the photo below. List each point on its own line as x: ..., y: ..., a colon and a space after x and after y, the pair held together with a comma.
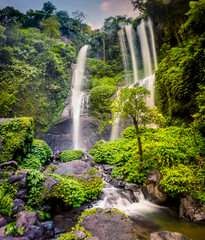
x: 149, y: 24
x: 121, y: 35
x: 146, y: 58
x: 77, y: 82
x: 131, y: 41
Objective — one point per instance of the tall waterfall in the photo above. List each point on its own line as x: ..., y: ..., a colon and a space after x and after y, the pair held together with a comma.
x: 146, y: 58
x: 149, y: 24
x: 149, y: 60
x: 131, y: 40
x: 77, y: 82
x: 121, y: 35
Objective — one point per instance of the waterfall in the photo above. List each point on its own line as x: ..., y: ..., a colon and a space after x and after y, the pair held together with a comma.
x: 146, y: 58
x: 77, y: 82
x: 121, y: 36
x: 131, y: 41
x: 149, y: 24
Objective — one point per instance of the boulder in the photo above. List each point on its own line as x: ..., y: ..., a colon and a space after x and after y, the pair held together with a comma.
x: 2, y: 231
x: 109, y: 224
x: 28, y: 218
x: 192, y: 209
x: 21, y: 193
x: 165, y: 235
x: 13, y: 164
x: 154, y: 191
x: 75, y: 168
x: 48, y: 228
x: 80, y: 234
x: 19, y: 180
x: 132, y: 191
x: 18, y: 206
x: 93, y: 238
x: 14, y: 238
x: 34, y: 232
x: 49, y: 184
x: 3, y: 221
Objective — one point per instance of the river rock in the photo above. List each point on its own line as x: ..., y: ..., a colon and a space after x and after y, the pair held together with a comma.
x: 18, y: 206
x: 35, y: 232
x: 49, y: 184
x: 80, y: 234
x: 19, y: 180
x: 28, y: 218
x: 76, y: 168
x: 13, y: 164
x: 192, y: 209
x: 14, y: 238
x: 93, y: 238
x: 165, y: 235
x: 154, y: 191
x: 48, y: 228
x: 108, y: 224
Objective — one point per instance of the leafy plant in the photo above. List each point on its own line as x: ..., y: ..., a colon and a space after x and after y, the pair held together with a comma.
x: 11, y: 228
x: 67, y: 155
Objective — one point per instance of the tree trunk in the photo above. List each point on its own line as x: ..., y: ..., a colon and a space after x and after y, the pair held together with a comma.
x: 138, y: 139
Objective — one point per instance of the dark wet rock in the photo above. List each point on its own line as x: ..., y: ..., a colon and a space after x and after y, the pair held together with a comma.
x: 132, y: 191
x: 28, y: 218
x: 108, y: 224
x: 58, y: 230
x: 4, y: 221
x: 45, y: 208
x: 21, y: 193
x: 22, y: 171
x: 155, y: 192
x: 192, y: 209
x: 35, y: 232
x: 2, y: 231
x: 80, y: 234
x: 49, y: 184
x: 48, y: 228
x: 13, y: 164
x: 108, y: 168
x: 107, y: 177
x: 76, y: 168
x: 165, y: 235
x: 118, y: 183
x: 18, y: 180
x: 18, y: 206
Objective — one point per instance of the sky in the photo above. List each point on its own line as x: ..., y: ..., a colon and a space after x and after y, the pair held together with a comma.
x: 95, y: 10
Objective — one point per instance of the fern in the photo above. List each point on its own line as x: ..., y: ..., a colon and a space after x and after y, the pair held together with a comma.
x: 5, y: 202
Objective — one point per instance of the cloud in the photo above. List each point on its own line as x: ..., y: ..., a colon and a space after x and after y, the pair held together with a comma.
x: 94, y: 26
x: 119, y: 7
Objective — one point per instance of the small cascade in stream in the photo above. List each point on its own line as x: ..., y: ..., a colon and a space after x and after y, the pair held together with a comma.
x: 77, y: 82
x: 116, y: 198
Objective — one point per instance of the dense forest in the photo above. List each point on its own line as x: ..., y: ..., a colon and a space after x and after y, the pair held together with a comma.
x: 38, y: 51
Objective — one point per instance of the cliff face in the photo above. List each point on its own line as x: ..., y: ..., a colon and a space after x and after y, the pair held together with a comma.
x: 60, y: 136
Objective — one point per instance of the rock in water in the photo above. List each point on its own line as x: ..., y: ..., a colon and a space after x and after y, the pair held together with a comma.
x: 165, y: 235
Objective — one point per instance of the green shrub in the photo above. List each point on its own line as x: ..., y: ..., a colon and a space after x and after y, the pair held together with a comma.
x: 67, y: 155
x: 99, y: 100
x: 75, y: 192
x: 41, y: 150
x: 177, y: 180
x: 17, y: 137
x: 129, y: 133
x: 31, y: 162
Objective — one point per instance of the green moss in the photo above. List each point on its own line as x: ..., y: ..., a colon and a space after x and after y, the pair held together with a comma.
x: 67, y: 155
x: 17, y: 136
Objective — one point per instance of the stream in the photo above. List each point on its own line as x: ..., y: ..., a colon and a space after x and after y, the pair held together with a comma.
x: 147, y: 216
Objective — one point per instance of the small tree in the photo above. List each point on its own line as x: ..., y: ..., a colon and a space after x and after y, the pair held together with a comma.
x: 130, y: 104
x: 51, y: 27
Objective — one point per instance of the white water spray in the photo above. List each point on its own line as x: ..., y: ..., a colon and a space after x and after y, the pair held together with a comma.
x: 131, y: 41
x: 78, y: 77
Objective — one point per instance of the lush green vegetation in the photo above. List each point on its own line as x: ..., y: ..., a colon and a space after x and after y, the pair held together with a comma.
x: 180, y: 149
x: 67, y: 156
x: 16, y: 137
